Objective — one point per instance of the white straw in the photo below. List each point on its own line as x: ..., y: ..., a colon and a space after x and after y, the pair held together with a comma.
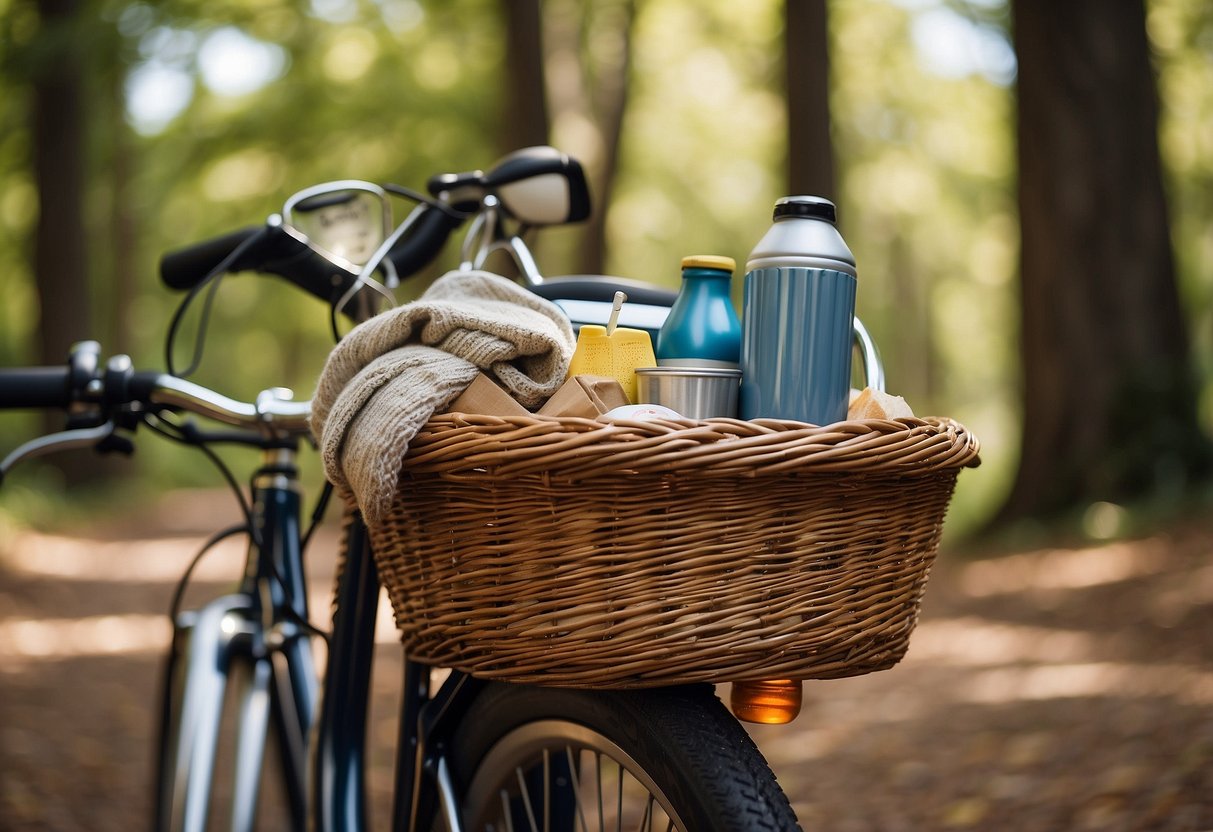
x: 620, y: 297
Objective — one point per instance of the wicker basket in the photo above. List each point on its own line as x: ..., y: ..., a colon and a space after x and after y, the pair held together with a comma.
x: 571, y: 552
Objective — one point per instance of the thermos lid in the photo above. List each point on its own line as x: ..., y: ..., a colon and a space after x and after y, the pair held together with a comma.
x: 709, y: 261
x: 806, y: 206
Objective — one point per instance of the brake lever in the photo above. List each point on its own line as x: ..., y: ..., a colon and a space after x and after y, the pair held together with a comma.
x: 63, y: 441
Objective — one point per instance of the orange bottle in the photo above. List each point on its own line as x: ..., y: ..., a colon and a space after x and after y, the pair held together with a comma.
x: 771, y: 701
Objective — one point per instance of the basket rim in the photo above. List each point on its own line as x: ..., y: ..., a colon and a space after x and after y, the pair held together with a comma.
x: 576, y: 447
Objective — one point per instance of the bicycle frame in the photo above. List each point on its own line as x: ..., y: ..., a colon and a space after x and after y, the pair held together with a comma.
x: 423, y: 785
x: 339, y: 782
x: 253, y: 630
x: 256, y: 637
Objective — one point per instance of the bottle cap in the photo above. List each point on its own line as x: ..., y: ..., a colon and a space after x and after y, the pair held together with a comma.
x: 710, y: 261
x: 806, y: 206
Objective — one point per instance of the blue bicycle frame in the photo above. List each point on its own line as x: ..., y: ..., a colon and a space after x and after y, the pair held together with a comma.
x: 255, y: 631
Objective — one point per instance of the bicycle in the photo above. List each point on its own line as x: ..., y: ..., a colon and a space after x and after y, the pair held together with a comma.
x: 472, y: 754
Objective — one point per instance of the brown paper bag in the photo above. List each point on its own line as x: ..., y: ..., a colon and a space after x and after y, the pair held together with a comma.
x: 485, y: 397
x: 586, y: 396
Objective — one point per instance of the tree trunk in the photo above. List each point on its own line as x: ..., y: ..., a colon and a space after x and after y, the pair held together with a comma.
x: 60, y: 262
x: 525, y: 120
x: 60, y: 255
x: 1108, y: 390
x: 810, y: 151
x: 123, y: 225
x: 609, y: 97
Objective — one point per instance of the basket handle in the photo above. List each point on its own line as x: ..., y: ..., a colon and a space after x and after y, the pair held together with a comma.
x: 873, y: 369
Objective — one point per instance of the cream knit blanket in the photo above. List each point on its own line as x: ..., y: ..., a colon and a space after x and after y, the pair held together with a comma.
x: 386, y: 378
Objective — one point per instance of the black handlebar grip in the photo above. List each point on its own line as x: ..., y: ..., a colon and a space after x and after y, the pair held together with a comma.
x: 187, y: 267
x: 277, y: 250
x: 423, y: 241
x: 269, y: 248
x: 35, y: 387
x: 282, y: 253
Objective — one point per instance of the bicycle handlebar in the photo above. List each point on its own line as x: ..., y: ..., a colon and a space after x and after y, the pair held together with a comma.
x: 98, y: 397
x: 277, y: 249
x: 35, y: 388
x: 186, y: 267
x: 536, y: 186
x: 117, y: 385
x: 269, y: 409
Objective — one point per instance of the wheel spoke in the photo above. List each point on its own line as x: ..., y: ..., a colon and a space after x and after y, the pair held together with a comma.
x: 578, y: 760
x: 575, y: 775
x: 505, y: 811
x: 598, y: 775
x: 526, y: 799
x: 619, y: 801
x: 547, y: 790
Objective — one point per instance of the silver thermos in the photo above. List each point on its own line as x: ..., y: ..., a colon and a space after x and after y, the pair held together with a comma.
x: 798, y: 317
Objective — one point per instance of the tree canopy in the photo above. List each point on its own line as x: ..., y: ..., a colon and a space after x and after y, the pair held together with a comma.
x: 202, y: 117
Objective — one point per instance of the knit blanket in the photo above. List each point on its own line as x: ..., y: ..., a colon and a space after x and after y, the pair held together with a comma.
x: 386, y: 378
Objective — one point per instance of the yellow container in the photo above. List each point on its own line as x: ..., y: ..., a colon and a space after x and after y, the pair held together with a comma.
x: 616, y: 355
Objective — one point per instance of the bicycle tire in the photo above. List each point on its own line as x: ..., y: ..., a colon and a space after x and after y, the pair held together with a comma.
x: 702, y: 772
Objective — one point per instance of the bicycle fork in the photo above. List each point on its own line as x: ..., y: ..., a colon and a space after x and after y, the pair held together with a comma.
x: 204, y: 645
x: 243, y: 641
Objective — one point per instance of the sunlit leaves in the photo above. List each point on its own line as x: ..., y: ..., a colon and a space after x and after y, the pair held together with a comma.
x: 257, y: 98
x: 1182, y: 36
x: 703, y: 137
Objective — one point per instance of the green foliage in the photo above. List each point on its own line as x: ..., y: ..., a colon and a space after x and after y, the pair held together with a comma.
x: 928, y: 207
x: 1182, y: 36
x: 703, y: 138
x: 400, y: 89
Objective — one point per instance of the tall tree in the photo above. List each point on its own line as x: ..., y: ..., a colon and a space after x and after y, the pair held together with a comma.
x: 525, y: 118
x: 610, y: 95
x: 591, y: 47
x: 1108, y: 389
x: 49, y: 63
x: 810, y: 149
x: 57, y: 141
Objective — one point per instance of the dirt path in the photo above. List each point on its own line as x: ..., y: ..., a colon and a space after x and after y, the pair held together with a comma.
x: 1066, y: 689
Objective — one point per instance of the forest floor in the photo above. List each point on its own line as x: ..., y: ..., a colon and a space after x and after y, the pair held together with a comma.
x: 1068, y: 688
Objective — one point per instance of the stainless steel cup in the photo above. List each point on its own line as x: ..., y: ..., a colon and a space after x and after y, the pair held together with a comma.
x: 695, y: 392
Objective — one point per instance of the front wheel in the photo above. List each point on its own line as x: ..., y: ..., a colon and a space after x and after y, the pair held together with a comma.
x: 536, y: 759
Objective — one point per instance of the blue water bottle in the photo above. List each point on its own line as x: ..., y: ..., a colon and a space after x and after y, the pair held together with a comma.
x: 702, y: 329
x: 798, y: 317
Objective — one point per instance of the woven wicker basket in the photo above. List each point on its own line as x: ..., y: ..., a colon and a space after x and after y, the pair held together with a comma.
x: 571, y: 552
